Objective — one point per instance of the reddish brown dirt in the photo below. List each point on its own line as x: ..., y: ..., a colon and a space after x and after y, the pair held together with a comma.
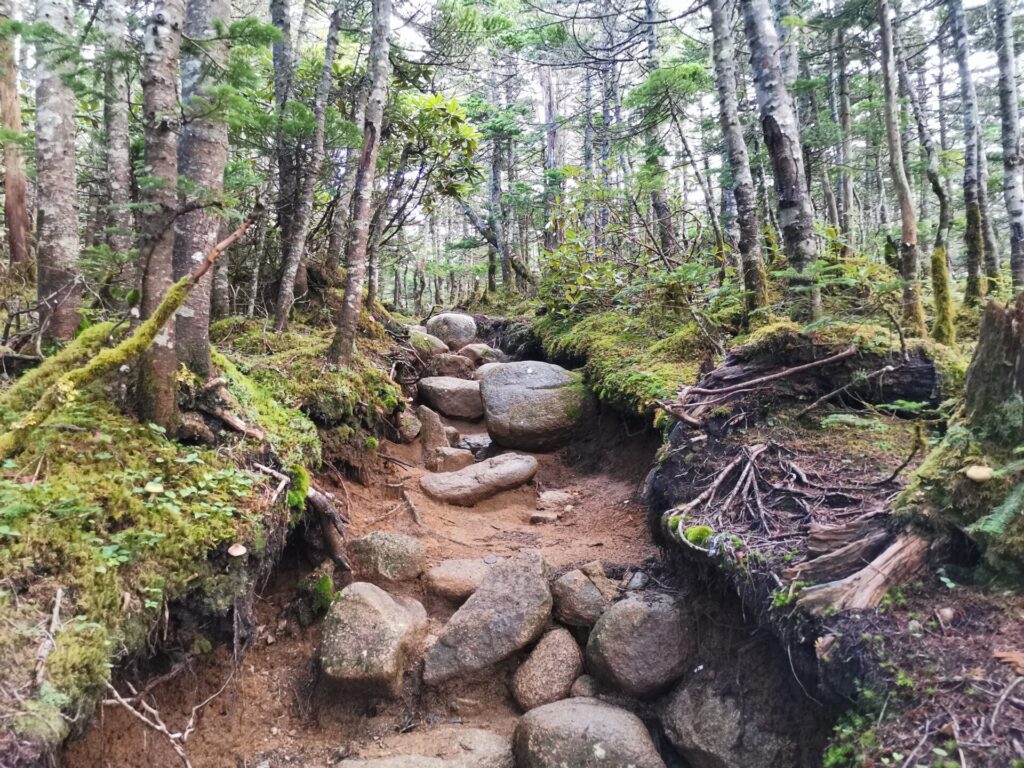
x: 274, y: 713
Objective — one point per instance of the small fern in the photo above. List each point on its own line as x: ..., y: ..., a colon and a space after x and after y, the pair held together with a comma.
x: 999, y: 520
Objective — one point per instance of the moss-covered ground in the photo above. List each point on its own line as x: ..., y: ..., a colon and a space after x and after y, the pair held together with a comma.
x: 125, y: 524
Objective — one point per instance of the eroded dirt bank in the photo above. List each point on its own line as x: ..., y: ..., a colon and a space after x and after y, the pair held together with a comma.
x: 275, y: 709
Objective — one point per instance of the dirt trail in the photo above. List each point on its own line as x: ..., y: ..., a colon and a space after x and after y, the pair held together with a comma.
x: 273, y: 711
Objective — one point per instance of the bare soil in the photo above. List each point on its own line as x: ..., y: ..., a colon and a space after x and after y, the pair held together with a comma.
x: 274, y: 712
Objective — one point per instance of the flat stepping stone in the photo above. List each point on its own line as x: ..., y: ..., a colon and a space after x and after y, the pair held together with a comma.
x: 454, y: 397
x: 480, y: 481
x: 456, y: 580
x: 448, y: 746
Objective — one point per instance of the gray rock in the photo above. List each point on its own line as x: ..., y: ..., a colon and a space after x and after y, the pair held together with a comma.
x: 583, y: 733
x: 456, y: 580
x: 637, y: 581
x: 542, y: 516
x: 449, y: 459
x: 448, y: 746
x: 480, y: 481
x: 432, y: 432
x: 550, y: 670
x: 481, y: 354
x: 452, y: 435
x: 641, y: 646
x: 454, y: 329
x: 391, y: 556
x: 369, y: 638
x: 553, y: 499
x: 475, y: 443
x: 453, y: 397
x: 408, y: 427
x: 582, y: 595
x: 449, y: 364
x: 584, y: 686
x: 533, y: 406
x: 507, y: 612
x: 426, y: 345
x: 486, y: 368
x: 707, y: 725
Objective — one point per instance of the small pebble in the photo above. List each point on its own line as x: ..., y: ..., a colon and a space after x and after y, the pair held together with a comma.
x: 914, y: 627
x: 490, y: 559
x: 541, y: 516
x: 638, y: 580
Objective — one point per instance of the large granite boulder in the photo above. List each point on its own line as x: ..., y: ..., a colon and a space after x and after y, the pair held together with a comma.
x: 507, y: 612
x: 533, y: 406
x: 370, y: 638
x: 480, y: 481
x: 550, y: 670
x: 456, y: 580
x: 704, y: 719
x: 450, y: 364
x: 426, y: 344
x: 481, y: 354
x: 583, y: 594
x: 432, y: 429
x: 641, y: 645
x: 583, y: 733
x: 453, y: 397
x: 453, y: 328
x: 390, y: 556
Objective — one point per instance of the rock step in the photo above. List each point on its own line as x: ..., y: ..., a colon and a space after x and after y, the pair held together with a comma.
x: 442, y: 747
x: 480, y: 481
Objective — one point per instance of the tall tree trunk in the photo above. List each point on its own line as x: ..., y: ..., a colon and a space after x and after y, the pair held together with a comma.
x: 943, y: 329
x: 552, y: 185
x: 120, y: 222
x: 202, y: 155
x: 295, y: 245
x: 495, y: 213
x: 15, y: 207
x: 845, y: 145
x: 974, y: 235
x: 59, y: 288
x: 284, y: 70
x: 158, y: 366
x: 343, y: 207
x: 659, y: 200
x: 782, y: 139
x: 1013, y: 162
x: 754, y: 282
x: 988, y: 234
x: 913, y: 312
x: 343, y: 344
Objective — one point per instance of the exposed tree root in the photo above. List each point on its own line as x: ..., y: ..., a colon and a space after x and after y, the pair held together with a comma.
x: 863, y: 590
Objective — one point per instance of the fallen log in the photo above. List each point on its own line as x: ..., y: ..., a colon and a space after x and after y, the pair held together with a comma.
x: 841, y: 562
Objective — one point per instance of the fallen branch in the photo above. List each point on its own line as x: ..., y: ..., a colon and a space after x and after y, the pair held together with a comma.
x: 836, y: 392
x: 283, y: 480
x: 50, y: 642
x: 110, y: 360
x: 412, y: 508
x: 331, y: 524
x: 848, y: 352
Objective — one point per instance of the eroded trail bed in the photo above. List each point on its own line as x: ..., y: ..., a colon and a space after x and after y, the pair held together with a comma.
x: 274, y: 710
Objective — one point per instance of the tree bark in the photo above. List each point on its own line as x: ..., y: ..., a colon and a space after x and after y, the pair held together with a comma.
x: 295, y: 245
x: 284, y: 69
x: 120, y: 222
x: 157, y: 385
x: 754, y: 282
x: 343, y: 207
x: 202, y: 155
x: 974, y: 236
x: 913, y: 312
x: 15, y: 207
x: 59, y: 288
x: 782, y: 139
x: 845, y: 145
x: 343, y: 344
x: 1013, y: 162
x: 943, y: 329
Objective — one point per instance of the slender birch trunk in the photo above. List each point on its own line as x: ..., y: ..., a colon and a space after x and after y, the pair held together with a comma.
x: 1013, y: 162
x: 120, y: 221
x: 295, y: 245
x: 913, y: 312
x: 752, y: 264
x: 343, y: 344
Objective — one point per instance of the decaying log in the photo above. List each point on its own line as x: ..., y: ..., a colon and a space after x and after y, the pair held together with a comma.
x: 864, y: 590
x: 841, y: 562
x: 822, y: 539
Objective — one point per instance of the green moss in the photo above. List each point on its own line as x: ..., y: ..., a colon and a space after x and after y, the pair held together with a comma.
x: 698, y: 535
x: 630, y: 362
x: 299, y: 487
x: 291, y: 368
